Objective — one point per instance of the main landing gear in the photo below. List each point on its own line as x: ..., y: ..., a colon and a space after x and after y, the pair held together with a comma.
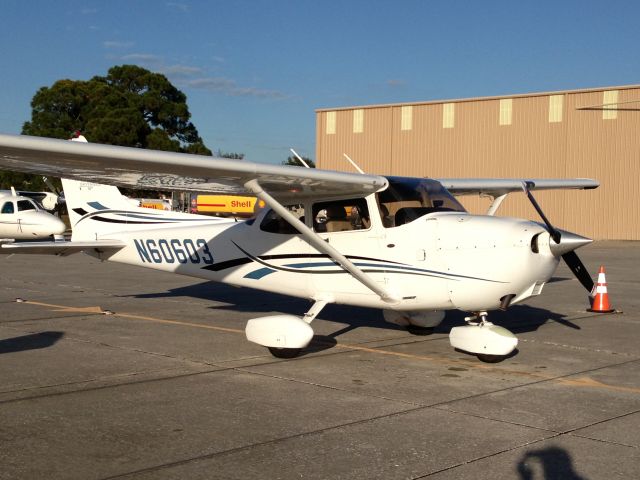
x: 284, y: 335
x: 489, y: 342
x: 284, y: 352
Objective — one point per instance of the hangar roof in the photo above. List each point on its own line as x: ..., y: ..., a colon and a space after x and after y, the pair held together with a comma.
x: 479, y: 99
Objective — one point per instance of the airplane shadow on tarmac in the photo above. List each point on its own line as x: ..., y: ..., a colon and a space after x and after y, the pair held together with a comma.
x: 33, y: 341
x: 518, y: 319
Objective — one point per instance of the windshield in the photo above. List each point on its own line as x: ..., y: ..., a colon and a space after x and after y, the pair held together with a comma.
x: 26, y: 205
x: 407, y: 199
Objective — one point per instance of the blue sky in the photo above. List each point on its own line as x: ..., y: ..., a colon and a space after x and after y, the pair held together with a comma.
x: 255, y: 71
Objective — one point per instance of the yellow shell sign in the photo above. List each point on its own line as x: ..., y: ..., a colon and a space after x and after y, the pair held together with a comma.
x: 226, y: 204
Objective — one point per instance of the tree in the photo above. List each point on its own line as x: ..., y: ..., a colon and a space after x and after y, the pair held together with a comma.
x: 130, y: 106
x: 296, y: 163
x: 231, y: 155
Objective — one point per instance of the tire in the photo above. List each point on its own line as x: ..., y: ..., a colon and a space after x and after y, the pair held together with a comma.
x: 284, y: 352
x: 486, y: 358
x: 420, y: 331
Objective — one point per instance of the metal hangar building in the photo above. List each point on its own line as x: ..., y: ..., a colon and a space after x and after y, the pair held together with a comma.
x: 592, y: 133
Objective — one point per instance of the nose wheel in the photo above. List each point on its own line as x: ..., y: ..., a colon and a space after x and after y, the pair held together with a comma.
x: 481, y: 319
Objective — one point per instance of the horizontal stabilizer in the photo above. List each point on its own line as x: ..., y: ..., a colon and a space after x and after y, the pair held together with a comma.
x: 60, y: 248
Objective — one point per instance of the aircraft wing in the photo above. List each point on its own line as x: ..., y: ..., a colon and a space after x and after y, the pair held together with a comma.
x: 500, y: 186
x: 155, y: 170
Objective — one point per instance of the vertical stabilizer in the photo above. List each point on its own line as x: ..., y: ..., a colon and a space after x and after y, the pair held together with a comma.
x: 96, y: 211
x: 85, y: 197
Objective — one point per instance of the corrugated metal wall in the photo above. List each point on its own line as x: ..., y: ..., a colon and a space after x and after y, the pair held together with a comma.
x: 551, y: 135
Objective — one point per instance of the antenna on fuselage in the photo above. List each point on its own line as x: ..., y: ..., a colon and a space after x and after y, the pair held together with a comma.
x: 13, y: 191
x: 355, y: 165
x: 51, y: 186
x: 299, y: 158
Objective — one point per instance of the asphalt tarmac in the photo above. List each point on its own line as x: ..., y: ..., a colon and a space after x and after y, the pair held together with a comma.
x: 167, y: 387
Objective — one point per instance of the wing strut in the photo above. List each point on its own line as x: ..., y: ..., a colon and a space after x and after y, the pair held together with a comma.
x: 319, y: 244
x: 497, y: 201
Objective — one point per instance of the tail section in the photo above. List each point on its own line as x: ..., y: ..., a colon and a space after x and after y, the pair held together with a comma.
x: 84, y: 197
x: 96, y: 211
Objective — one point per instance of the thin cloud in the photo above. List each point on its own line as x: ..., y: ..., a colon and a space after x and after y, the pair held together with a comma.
x: 257, y: 92
x: 183, y: 7
x: 212, y: 84
x: 188, y: 76
x: 117, y: 44
x: 146, y: 58
x: 229, y: 87
x: 181, y: 70
x: 395, y: 83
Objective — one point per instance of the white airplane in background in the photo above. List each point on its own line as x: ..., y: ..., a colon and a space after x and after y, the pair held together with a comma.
x: 46, y: 200
x: 22, y: 219
x: 400, y: 244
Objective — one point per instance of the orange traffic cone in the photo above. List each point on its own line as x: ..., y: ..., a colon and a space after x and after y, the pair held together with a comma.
x: 601, y: 300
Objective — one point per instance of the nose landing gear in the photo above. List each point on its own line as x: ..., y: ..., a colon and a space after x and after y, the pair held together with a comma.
x: 490, y: 343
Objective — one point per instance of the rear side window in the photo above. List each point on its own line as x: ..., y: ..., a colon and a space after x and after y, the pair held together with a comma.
x: 274, y: 223
x: 8, y: 207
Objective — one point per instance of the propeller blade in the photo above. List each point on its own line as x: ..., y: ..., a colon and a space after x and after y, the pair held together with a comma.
x: 564, y: 241
x: 555, y: 234
x: 579, y: 270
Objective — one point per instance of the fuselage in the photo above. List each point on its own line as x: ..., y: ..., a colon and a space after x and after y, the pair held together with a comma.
x: 439, y: 259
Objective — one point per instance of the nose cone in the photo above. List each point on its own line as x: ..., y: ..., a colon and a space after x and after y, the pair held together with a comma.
x: 568, y: 243
x: 55, y: 225
x: 44, y: 224
x: 58, y: 227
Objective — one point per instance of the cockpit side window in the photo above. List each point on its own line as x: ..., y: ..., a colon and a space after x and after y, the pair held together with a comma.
x: 407, y: 199
x: 8, y: 207
x: 26, y: 205
x: 341, y: 215
x: 274, y: 223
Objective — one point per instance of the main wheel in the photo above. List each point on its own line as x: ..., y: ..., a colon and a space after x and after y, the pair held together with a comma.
x: 420, y: 331
x: 284, y: 352
x: 486, y: 358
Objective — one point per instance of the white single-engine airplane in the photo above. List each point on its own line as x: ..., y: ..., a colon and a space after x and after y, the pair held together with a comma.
x: 403, y: 245
x: 22, y: 219
x: 44, y: 200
